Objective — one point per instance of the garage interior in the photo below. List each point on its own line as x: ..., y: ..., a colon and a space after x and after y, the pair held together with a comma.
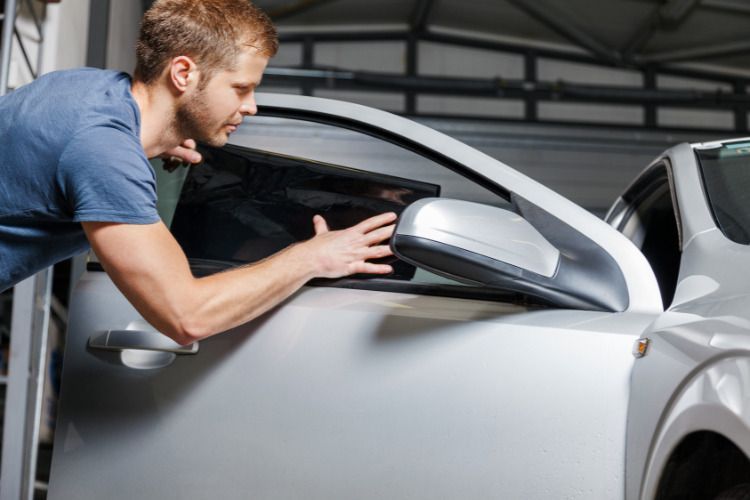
x: 579, y: 95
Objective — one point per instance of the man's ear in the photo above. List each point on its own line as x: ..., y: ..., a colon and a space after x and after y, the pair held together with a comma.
x: 183, y: 73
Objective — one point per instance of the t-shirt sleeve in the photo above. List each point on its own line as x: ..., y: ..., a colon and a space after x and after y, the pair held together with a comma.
x: 105, y: 176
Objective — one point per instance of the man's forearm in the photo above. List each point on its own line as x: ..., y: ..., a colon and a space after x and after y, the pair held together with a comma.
x: 149, y: 267
x: 225, y: 300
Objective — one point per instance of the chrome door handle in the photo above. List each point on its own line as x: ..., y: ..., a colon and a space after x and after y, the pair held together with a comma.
x: 121, y: 340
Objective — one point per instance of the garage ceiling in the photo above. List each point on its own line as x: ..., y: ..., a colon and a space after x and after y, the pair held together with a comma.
x: 628, y: 33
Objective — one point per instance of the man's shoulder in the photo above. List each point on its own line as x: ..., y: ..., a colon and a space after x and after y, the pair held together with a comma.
x: 70, y: 99
x: 95, y: 98
x: 87, y: 76
x: 81, y: 91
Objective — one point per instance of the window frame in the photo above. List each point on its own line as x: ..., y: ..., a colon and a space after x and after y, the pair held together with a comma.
x: 459, y: 291
x: 710, y: 198
x: 643, y: 189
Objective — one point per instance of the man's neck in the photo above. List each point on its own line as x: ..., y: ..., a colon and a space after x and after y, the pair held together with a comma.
x: 157, y: 107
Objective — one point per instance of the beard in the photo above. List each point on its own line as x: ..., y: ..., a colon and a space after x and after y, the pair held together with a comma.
x: 193, y: 121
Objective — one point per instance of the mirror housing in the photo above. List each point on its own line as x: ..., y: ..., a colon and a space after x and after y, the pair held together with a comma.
x: 484, y: 245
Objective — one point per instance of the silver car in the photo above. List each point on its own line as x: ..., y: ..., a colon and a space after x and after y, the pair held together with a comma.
x: 522, y: 349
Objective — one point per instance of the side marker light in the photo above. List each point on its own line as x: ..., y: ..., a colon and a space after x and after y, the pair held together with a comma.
x: 640, y: 348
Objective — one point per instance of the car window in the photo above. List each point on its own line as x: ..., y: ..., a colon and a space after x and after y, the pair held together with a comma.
x: 646, y: 214
x: 336, y: 145
x: 726, y: 177
x: 258, y: 195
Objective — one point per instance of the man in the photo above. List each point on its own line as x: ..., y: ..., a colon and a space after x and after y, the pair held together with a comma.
x: 74, y: 168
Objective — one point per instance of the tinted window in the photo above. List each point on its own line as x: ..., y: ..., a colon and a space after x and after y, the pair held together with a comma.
x: 726, y: 176
x: 242, y: 205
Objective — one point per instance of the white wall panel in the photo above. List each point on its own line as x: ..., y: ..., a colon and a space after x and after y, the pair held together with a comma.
x: 66, y: 28
x: 389, y: 57
x: 552, y: 70
x: 388, y: 101
x: 567, y: 111
x: 279, y: 90
x: 289, y: 54
x: 470, y: 106
x: 695, y: 118
x: 445, y: 60
x: 19, y: 72
x: 674, y: 82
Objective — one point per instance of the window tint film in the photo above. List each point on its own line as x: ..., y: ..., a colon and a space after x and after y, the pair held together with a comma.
x: 243, y: 205
x: 726, y: 176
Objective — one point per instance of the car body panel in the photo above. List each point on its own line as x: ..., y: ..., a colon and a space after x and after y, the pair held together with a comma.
x: 352, y: 394
x: 702, y: 340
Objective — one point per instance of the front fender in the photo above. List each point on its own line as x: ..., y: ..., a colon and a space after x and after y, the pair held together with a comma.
x: 713, y: 399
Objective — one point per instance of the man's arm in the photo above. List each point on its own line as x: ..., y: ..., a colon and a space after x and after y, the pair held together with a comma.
x: 149, y: 267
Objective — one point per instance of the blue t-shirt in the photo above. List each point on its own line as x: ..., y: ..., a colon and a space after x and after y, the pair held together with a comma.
x: 70, y: 152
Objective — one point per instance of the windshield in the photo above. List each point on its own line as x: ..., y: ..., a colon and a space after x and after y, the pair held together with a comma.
x: 726, y: 176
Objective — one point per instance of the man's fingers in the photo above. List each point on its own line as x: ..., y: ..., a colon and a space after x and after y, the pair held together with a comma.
x: 370, y: 268
x: 188, y: 155
x: 185, y: 153
x: 380, y: 234
x: 368, y: 225
x: 378, y: 252
x: 320, y: 225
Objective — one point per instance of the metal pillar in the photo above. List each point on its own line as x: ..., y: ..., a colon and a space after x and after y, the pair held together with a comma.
x: 96, y: 51
x: 6, y: 43
x: 23, y: 402
x: 28, y: 344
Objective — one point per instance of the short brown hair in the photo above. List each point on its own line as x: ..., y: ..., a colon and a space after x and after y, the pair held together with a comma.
x: 211, y: 32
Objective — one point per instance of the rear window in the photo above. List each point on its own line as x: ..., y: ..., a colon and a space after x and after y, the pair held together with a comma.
x: 726, y: 177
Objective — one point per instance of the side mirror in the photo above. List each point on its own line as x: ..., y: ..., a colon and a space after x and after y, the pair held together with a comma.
x: 480, y: 244
x: 471, y: 242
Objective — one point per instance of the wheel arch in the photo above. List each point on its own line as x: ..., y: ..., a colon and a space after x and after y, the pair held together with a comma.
x: 707, y: 421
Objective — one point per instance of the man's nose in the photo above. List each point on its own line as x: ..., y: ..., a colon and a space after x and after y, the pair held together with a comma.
x: 248, y: 108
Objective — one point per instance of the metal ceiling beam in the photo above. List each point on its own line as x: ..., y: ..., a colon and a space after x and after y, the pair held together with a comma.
x: 669, y: 15
x: 96, y: 51
x: 515, y: 89
x: 347, y: 36
x: 295, y: 8
x: 673, y: 13
x: 559, y: 22
x: 417, y: 27
x: 697, y: 53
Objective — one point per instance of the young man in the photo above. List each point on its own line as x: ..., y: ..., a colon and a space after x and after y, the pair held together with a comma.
x: 74, y: 171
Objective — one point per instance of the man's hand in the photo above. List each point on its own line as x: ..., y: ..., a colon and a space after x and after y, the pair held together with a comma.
x: 183, y: 155
x: 335, y: 254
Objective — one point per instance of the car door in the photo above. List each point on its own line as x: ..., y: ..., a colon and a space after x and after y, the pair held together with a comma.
x: 409, y: 386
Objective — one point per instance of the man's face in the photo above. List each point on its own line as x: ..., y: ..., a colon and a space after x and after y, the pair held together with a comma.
x: 211, y: 113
